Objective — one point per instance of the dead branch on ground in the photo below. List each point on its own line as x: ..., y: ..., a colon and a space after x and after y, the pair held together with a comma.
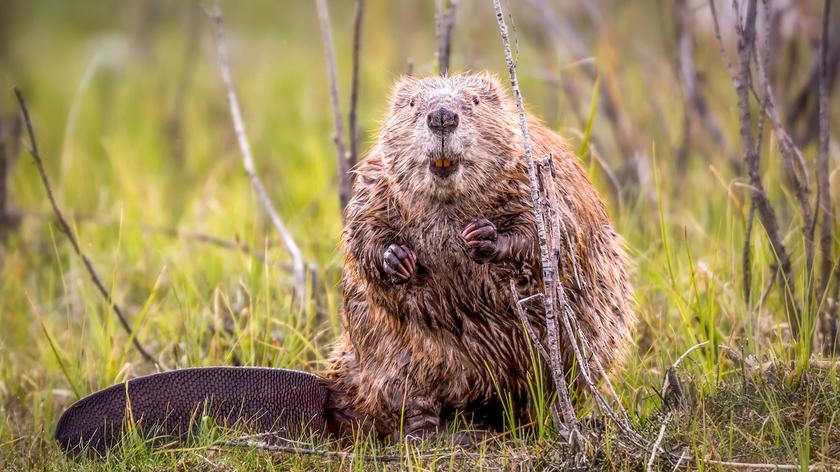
x: 298, y: 266
x: 64, y: 226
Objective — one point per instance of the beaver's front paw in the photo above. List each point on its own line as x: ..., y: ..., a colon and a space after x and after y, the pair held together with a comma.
x: 481, y: 238
x: 399, y: 263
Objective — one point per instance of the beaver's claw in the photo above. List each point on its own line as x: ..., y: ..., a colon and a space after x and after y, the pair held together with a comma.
x: 399, y: 263
x: 481, y: 238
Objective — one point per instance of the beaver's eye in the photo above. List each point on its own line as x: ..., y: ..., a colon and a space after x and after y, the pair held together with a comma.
x: 411, y: 103
x: 475, y: 100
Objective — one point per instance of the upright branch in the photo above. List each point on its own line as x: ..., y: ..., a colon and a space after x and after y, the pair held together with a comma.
x: 825, y: 211
x: 695, y: 102
x: 444, y: 22
x: 65, y: 228
x: 347, y: 158
x: 796, y: 171
x: 10, y: 131
x: 548, y: 269
x: 767, y: 215
x: 563, y: 36
x: 298, y: 266
x: 344, y: 186
x: 352, y: 121
x: 556, y: 303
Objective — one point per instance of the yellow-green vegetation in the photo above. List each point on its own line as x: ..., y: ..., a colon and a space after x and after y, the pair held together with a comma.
x: 135, y: 132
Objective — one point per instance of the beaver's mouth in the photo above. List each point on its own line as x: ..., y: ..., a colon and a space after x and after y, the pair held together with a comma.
x: 443, y: 166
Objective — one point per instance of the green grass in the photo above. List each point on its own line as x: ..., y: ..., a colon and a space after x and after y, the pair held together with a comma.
x: 109, y: 149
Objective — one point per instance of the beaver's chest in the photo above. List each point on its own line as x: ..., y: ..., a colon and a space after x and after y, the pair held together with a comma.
x: 449, y: 289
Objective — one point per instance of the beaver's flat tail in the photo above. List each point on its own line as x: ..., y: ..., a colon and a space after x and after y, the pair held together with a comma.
x: 170, y: 404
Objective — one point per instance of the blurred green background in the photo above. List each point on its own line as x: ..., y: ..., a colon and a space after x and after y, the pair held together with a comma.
x: 133, y: 125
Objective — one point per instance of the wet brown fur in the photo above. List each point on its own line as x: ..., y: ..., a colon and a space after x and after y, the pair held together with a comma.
x: 448, y: 340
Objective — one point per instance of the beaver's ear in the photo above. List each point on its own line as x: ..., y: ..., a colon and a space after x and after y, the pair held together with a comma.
x: 490, y: 87
x: 403, y: 91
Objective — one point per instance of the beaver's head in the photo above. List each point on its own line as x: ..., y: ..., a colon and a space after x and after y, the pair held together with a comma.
x: 448, y: 138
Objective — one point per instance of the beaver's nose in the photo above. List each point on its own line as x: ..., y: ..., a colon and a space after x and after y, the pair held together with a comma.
x: 442, y: 121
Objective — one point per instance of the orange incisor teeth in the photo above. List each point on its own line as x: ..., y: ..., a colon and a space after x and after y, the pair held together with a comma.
x: 447, y: 163
x: 439, y: 163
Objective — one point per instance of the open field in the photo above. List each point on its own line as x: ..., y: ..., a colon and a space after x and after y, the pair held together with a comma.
x: 133, y: 125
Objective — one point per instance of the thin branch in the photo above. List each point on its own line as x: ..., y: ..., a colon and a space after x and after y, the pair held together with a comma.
x: 791, y: 157
x: 298, y: 267
x: 757, y: 466
x: 721, y: 47
x: 340, y: 455
x: 694, y: 100
x: 176, y: 119
x: 563, y: 35
x: 655, y: 449
x: 299, y: 448
x: 354, y: 90
x: 765, y: 210
x: 746, y: 255
x: 444, y: 22
x: 548, y: 269
x: 825, y: 210
x: 344, y: 184
x: 10, y: 132
x: 172, y: 232
x: 523, y: 317
x: 554, y: 292
x: 65, y: 228
x: 575, y: 336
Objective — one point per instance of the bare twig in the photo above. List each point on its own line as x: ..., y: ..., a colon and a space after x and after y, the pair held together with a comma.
x: 444, y: 22
x: 10, y: 131
x: 298, y: 266
x: 655, y: 449
x: 757, y: 466
x: 695, y: 101
x: 548, y: 269
x: 352, y: 121
x: 825, y: 210
x: 800, y: 116
x: 583, y: 352
x: 794, y: 164
x: 176, y: 119
x: 746, y: 255
x: 344, y: 183
x: 765, y: 210
x: 65, y: 228
x: 544, y: 199
x: 296, y: 447
x: 523, y: 317
x: 339, y: 455
x: 563, y: 35
x: 172, y: 232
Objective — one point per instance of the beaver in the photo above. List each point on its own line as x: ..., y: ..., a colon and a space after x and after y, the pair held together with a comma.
x: 439, y: 223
